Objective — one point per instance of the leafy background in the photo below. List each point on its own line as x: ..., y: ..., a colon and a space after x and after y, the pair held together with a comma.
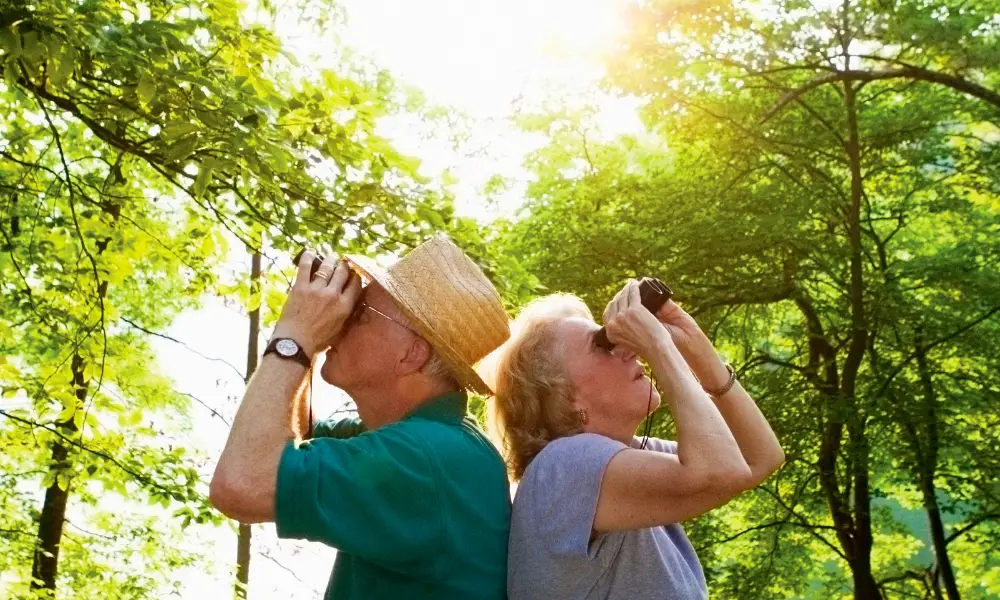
x: 818, y: 181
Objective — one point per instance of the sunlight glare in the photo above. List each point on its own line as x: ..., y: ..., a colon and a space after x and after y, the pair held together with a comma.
x: 478, y: 55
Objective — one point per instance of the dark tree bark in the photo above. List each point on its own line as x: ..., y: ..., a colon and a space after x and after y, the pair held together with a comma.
x: 245, y: 533
x: 45, y: 565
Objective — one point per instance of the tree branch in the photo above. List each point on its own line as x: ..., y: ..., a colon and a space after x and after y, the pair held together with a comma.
x: 907, y: 72
x: 177, y: 341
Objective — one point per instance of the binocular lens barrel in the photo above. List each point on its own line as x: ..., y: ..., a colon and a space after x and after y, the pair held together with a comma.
x: 653, y: 294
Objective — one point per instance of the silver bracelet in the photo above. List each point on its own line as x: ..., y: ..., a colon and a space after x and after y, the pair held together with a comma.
x: 716, y: 394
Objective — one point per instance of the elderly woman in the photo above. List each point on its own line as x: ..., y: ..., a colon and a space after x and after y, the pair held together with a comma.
x: 597, y: 512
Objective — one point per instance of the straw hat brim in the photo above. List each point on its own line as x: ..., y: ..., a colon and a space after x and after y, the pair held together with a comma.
x: 402, y: 294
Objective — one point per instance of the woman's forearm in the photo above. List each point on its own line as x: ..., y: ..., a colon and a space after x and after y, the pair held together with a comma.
x: 704, y: 440
x: 756, y: 439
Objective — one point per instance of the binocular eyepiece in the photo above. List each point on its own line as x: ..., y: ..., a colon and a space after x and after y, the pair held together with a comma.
x: 653, y: 293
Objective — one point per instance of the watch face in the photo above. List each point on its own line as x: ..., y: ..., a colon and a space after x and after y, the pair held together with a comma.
x: 286, y: 347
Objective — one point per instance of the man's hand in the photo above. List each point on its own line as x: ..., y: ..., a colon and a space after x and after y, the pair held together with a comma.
x: 316, y: 310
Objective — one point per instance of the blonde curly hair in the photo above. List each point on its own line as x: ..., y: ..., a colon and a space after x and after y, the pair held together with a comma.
x: 534, y: 396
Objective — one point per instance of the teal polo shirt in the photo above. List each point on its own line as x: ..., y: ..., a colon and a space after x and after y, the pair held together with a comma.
x: 417, y: 509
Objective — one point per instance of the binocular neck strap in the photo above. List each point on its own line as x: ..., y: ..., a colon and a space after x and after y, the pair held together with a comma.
x: 649, y: 415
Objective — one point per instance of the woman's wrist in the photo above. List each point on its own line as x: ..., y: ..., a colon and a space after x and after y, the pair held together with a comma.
x: 708, y: 366
x: 668, y: 363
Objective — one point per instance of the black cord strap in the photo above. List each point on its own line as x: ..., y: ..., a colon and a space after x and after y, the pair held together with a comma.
x: 649, y: 419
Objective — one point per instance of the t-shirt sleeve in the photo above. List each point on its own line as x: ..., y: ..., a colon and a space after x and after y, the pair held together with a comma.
x: 656, y: 445
x: 338, y: 428
x: 373, y: 495
x: 565, y: 483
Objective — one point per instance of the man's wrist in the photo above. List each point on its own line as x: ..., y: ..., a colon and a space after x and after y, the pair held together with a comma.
x: 289, y: 349
x: 298, y: 337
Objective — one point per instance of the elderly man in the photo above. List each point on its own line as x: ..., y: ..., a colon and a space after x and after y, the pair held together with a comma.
x: 413, y: 495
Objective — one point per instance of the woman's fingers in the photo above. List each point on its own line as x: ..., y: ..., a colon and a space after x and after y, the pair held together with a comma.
x: 634, y: 298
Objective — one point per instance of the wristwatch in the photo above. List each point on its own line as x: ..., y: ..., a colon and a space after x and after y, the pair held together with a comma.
x: 290, y: 349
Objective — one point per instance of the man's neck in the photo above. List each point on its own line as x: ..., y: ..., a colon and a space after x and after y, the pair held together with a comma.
x: 394, y: 404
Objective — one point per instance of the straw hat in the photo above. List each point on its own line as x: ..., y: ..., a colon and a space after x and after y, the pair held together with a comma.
x: 449, y: 300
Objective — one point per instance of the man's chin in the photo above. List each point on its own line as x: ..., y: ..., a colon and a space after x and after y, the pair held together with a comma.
x: 328, y: 373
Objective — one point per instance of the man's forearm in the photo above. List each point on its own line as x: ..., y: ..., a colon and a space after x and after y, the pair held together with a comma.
x: 756, y: 439
x: 245, y: 479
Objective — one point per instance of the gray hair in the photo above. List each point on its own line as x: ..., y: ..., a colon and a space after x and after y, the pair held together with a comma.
x: 436, y: 368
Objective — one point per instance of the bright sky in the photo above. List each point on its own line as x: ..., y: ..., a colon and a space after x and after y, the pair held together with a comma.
x: 478, y: 56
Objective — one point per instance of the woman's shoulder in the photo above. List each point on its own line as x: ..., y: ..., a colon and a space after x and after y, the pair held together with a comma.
x: 570, y: 457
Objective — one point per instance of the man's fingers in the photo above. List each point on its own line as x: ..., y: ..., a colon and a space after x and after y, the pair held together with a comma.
x: 341, y: 274
x: 326, y: 271
x: 352, y: 291
x: 305, y: 264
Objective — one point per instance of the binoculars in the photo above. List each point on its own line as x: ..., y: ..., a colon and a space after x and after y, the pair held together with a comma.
x: 653, y: 294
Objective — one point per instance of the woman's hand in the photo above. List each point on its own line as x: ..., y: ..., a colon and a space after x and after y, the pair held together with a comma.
x: 628, y: 323
x: 316, y: 310
x: 685, y: 332
x: 694, y: 345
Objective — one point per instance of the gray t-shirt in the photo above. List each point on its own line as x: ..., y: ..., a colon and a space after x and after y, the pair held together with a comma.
x: 550, y: 554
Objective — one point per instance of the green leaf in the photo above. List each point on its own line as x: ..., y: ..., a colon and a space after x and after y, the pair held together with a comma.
x: 65, y: 65
x: 10, y: 41
x: 91, y: 370
x: 201, y: 181
x: 66, y: 414
x: 175, y: 129
x: 432, y: 216
x: 32, y: 50
x: 291, y: 223
x: 10, y: 72
x: 182, y: 148
x: 146, y: 88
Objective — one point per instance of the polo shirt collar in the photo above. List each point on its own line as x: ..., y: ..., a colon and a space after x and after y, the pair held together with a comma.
x: 447, y: 407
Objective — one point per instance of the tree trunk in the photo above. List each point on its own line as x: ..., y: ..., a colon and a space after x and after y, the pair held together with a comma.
x: 45, y: 564
x: 927, y: 464
x: 865, y: 587
x: 945, y: 573
x: 243, y: 560
x: 245, y: 533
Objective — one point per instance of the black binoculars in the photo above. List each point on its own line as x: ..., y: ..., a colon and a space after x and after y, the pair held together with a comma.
x: 653, y: 293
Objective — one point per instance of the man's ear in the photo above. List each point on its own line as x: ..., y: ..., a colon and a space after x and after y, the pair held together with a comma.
x: 416, y: 356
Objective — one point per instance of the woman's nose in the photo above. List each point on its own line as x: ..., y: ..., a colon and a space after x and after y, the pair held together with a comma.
x: 626, y: 354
